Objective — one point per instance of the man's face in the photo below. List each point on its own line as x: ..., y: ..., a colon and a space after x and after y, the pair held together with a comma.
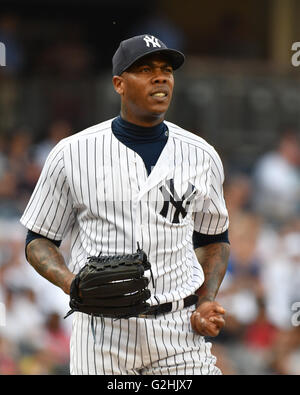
x: 146, y: 88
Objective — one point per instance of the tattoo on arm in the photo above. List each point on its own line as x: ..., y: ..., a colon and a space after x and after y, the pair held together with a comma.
x: 214, y: 259
x: 48, y: 261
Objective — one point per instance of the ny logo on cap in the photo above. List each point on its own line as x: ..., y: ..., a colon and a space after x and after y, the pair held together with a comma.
x: 152, y: 40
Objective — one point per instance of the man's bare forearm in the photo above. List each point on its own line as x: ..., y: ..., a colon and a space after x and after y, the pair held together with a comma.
x: 48, y: 261
x: 214, y: 260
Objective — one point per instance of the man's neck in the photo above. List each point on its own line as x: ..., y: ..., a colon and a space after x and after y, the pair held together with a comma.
x: 146, y: 121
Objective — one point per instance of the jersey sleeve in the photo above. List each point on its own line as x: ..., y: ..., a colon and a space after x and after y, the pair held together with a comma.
x: 211, y: 216
x: 49, y: 210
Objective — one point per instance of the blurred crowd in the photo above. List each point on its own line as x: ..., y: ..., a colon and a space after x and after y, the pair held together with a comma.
x: 260, y: 291
x: 34, y: 338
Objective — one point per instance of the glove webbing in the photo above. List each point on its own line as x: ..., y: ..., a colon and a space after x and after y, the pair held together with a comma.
x: 75, y: 285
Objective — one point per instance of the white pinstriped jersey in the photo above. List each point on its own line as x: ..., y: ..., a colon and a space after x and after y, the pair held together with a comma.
x: 98, y: 189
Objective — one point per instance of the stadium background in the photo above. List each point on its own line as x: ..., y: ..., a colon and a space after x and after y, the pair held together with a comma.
x: 238, y: 89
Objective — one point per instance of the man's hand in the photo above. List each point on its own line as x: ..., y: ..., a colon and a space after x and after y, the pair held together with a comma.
x: 208, y: 318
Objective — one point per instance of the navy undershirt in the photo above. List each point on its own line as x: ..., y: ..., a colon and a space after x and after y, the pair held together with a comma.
x: 148, y: 143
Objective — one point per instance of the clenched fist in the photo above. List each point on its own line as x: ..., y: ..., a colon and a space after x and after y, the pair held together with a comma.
x: 208, y: 318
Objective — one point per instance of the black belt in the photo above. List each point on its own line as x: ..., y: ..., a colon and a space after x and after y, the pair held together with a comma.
x: 167, y: 307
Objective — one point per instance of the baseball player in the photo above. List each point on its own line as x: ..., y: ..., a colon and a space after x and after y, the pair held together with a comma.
x: 137, y: 180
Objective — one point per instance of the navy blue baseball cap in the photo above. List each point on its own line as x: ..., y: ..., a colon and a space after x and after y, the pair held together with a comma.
x: 137, y: 47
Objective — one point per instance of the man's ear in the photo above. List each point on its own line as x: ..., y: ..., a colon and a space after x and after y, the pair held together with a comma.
x: 118, y: 83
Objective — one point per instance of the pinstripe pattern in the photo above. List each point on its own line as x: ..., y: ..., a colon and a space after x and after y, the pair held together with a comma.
x: 153, y: 346
x: 96, y: 188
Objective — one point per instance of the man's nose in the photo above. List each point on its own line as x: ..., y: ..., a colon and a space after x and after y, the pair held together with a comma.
x: 159, y: 77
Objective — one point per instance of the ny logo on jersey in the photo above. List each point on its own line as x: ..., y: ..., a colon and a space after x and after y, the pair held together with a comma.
x: 171, y: 196
x: 151, y: 40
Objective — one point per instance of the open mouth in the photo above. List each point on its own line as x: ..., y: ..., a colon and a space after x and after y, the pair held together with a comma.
x: 159, y: 94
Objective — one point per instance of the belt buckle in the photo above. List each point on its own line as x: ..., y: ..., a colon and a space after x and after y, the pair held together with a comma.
x: 142, y: 316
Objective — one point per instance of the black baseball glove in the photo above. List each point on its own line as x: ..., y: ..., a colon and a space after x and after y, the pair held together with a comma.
x: 112, y: 286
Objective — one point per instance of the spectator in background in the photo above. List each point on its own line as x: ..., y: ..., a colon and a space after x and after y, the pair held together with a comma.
x: 241, y: 287
x: 251, y: 345
x: 260, y: 335
x: 56, y: 341
x: 3, y: 157
x: 281, y: 280
x: 18, y: 174
x: 22, y: 164
x: 277, y: 180
x: 23, y: 320
x: 19, y: 149
x: 8, y: 195
x: 238, y: 194
x: 285, y: 357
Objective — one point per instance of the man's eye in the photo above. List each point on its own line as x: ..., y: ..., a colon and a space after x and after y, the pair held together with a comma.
x: 145, y: 69
x: 169, y: 69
